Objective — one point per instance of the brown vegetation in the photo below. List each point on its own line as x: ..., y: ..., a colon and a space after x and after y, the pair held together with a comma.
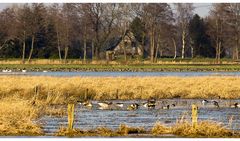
x: 60, y: 90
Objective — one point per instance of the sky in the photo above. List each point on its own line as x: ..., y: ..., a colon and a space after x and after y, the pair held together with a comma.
x: 201, y: 9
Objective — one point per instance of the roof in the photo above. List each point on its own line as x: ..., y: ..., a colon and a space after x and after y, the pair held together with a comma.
x: 112, y: 43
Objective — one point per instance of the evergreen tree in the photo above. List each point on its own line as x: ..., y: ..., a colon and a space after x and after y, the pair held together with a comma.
x: 200, y: 40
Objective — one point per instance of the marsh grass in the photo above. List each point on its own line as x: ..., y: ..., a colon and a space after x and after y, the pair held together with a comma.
x: 203, y: 129
x: 125, y: 130
x: 206, y: 129
x: 122, y: 131
x: 16, y: 118
x: 61, y: 90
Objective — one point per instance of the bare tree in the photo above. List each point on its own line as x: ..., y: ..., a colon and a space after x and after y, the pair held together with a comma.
x: 56, y: 16
x: 232, y: 16
x: 184, y: 14
x: 156, y: 15
x: 216, y: 24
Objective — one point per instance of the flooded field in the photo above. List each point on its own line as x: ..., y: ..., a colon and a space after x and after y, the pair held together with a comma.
x: 87, y: 119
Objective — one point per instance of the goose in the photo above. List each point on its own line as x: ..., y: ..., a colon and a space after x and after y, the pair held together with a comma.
x: 173, y: 105
x: 119, y: 105
x: 235, y: 105
x: 104, y: 105
x: 87, y: 104
x: 7, y: 70
x: 215, y: 103
x: 151, y: 103
x: 24, y: 70
x: 133, y: 106
x: 45, y: 71
x: 204, y: 102
x: 166, y: 107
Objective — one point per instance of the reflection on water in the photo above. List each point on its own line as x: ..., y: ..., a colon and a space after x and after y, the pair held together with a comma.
x: 92, y: 118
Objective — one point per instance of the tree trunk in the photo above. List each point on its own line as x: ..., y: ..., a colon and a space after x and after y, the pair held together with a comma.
x: 59, y: 49
x: 124, y: 52
x: 192, y: 51
x: 219, y: 52
x: 24, y: 47
x: 65, y: 54
x: 175, y: 48
x: 84, y: 49
x: 156, y: 53
x: 97, y: 53
x: 216, y: 55
x: 31, y: 51
x: 183, y: 43
x: 237, y: 50
x: 143, y: 37
x: 158, y: 44
x: 152, y: 46
x: 92, y: 49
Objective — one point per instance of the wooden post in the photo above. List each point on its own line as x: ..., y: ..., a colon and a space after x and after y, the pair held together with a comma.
x: 36, y: 90
x: 70, y: 116
x: 86, y: 93
x: 117, y: 94
x: 194, y: 115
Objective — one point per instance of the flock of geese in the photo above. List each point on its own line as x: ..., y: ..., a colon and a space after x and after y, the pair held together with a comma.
x: 215, y: 103
x: 7, y: 70
x: 149, y: 104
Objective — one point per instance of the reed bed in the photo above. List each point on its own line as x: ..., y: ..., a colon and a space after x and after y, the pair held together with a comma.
x: 60, y: 90
x: 206, y: 129
x: 16, y: 118
x: 122, y: 131
x: 203, y: 129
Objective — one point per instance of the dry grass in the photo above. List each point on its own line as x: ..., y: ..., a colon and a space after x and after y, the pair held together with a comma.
x: 184, y: 129
x: 203, y: 129
x: 60, y: 90
x: 159, y: 129
x: 16, y: 117
x: 123, y: 130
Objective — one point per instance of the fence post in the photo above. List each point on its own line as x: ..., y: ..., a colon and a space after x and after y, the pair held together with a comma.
x: 70, y: 116
x: 117, y: 94
x: 194, y: 115
x: 86, y: 94
x: 36, y: 90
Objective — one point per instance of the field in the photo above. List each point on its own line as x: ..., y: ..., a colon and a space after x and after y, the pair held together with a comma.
x: 62, y: 89
x: 18, y: 94
x: 166, y: 64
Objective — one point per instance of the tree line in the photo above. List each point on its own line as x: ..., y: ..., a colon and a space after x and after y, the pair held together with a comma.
x: 76, y: 30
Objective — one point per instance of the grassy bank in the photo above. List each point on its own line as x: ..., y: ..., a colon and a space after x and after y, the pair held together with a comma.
x: 165, y: 64
x: 183, y: 129
x: 122, y: 67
